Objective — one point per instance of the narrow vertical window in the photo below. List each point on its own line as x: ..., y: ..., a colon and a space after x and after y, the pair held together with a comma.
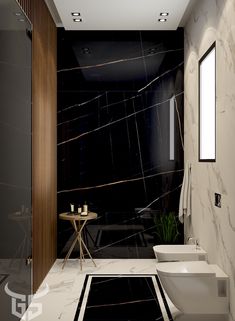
x: 207, y: 106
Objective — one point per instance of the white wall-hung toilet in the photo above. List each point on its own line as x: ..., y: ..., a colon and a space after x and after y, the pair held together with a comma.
x: 179, y: 252
x: 195, y: 287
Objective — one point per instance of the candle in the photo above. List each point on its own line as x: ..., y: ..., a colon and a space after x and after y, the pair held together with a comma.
x: 72, y: 208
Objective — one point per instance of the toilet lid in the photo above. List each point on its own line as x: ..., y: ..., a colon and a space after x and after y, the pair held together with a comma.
x: 185, y: 268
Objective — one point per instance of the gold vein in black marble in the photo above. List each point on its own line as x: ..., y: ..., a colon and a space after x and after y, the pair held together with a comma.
x: 140, y: 153
x: 119, y: 303
x: 124, y: 239
x: 82, y: 104
x: 74, y: 119
x: 119, y: 61
x: 163, y: 195
x: 116, y: 121
x: 144, y: 230
x: 117, y: 182
x: 155, y: 79
x: 118, y: 102
x: 102, y: 107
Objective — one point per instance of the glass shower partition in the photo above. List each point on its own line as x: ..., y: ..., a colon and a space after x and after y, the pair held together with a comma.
x: 15, y: 161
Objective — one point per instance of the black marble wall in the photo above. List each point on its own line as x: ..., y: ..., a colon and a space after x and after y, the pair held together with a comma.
x: 115, y: 90
x: 15, y: 160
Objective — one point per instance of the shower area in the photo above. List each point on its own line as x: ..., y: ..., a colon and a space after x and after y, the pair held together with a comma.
x: 15, y: 169
x: 120, y: 138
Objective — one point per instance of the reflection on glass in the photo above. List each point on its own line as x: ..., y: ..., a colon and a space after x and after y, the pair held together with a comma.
x: 207, y: 106
x: 15, y: 162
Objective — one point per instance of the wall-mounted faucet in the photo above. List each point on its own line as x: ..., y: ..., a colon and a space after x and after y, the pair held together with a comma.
x: 193, y: 240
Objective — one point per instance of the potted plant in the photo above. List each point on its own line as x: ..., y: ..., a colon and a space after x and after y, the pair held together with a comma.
x: 166, y: 231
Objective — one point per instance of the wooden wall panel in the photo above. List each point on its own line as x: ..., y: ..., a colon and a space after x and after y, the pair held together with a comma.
x: 27, y: 7
x: 44, y: 138
x: 44, y: 141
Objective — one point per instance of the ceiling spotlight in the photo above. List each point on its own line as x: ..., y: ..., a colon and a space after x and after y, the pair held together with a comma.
x: 17, y: 14
x: 77, y: 20
x: 162, y: 20
x: 75, y: 14
x: 164, y: 14
x: 151, y: 51
x: 21, y: 20
x: 86, y: 51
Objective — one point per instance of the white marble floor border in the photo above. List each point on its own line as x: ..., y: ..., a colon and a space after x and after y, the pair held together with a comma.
x: 65, y: 285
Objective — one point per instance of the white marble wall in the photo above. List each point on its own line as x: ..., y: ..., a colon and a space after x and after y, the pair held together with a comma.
x: 213, y: 20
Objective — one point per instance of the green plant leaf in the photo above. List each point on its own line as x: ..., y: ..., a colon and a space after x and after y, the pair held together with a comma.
x: 166, y: 226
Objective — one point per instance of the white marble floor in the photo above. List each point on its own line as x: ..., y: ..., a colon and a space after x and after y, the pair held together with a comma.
x: 65, y: 286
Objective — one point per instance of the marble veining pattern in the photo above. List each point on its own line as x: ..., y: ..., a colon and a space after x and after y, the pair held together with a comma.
x: 120, y: 60
x: 211, y: 21
x: 158, y: 77
x: 66, y: 286
x: 113, y: 136
x: 129, y: 304
x: 120, y: 182
x: 115, y: 121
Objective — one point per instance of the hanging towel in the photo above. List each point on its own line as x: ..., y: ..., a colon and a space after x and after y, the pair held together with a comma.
x: 185, y: 195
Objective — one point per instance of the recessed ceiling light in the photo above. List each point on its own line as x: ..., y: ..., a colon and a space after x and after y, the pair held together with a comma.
x: 75, y: 14
x: 17, y: 14
x: 162, y: 20
x: 151, y: 51
x: 77, y: 20
x: 21, y: 20
x: 164, y: 14
x: 86, y: 51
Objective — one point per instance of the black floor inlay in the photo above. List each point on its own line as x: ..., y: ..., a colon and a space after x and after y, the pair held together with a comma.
x: 122, y: 298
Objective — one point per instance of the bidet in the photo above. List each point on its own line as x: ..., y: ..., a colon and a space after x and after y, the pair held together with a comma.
x: 181, y: 252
